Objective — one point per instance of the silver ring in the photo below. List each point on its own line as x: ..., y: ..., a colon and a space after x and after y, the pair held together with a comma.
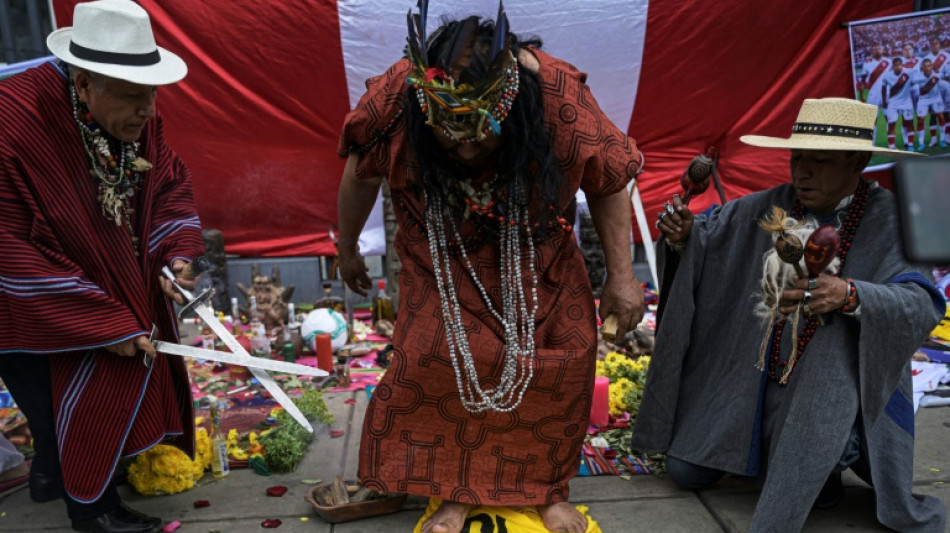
x: 805, y: 308
x: 807, y: 297
x: 660, y: 215
x: 658, y: 224
x: 812, y: 283
x: 669, y: 209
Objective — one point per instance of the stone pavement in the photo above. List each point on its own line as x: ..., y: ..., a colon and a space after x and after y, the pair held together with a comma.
x: 644, y: 503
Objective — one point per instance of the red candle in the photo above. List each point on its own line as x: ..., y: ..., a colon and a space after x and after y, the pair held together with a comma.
x: 600, y: 407
x: 324, y: 352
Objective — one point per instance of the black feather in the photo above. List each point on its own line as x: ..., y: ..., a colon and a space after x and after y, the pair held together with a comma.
x: 412, y: 40
x: 462, y: 39
x: 500, y: 37
x: 421, y: 33
x: 423, y: 17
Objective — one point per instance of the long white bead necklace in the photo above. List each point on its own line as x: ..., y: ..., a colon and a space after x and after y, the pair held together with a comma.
x: 516, y: 320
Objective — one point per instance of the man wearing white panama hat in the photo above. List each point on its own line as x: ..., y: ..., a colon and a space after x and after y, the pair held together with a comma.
x: 93, y: 204
x: 714, y: 411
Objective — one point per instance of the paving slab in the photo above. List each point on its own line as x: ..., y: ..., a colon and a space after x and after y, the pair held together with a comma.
x: 673, y: 515
x: 643, y: 503
x: 253, y: 525
x: 401, y: 522
x: 734, y: 509
x: 354, y: 431
x: 613, y: 488
x: 931, y: 453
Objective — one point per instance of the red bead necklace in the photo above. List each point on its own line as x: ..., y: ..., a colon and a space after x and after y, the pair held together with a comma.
x: 847, y: 230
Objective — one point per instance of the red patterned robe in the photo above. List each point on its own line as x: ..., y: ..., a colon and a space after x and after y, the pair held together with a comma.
x: 417, y: 436
x: 70, y: 282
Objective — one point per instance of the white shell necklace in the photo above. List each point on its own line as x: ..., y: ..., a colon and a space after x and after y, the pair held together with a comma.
x: 515, y: 318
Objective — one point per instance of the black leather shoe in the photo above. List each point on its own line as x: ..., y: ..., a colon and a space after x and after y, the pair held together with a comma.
x: 114, y: 522
x: 45, y: 488
x: 831, y: 494
x: 132, y: 516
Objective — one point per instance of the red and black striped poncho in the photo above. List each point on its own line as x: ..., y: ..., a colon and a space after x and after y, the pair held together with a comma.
x: 70, y: 282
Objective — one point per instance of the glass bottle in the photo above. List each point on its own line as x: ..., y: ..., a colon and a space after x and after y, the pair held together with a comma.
x: 382, y: 304
x: 236, y: 329
x: 219, y: 444
x: 260, y: 344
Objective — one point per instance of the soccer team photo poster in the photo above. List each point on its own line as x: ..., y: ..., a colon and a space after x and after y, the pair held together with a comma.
x: 902, y: 65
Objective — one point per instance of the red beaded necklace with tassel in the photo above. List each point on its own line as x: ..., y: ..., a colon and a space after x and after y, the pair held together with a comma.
x: 847, y: 230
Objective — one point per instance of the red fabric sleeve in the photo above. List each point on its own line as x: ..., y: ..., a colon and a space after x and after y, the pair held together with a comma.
x: 367, y: 130
x: 592, y: 152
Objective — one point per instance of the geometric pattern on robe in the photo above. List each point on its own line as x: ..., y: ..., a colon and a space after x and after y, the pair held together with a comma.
x: 704, y: 397
x: 71, y: 284
x: 417, y: 436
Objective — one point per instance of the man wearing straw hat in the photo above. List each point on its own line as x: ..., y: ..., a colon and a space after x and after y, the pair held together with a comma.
x: 847, y: 403
x: 93, y: 204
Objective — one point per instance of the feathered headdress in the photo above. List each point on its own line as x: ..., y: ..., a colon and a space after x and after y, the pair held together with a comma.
x: 464, y: 112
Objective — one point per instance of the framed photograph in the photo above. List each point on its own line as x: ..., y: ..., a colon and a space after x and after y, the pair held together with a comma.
x: 902, y: 65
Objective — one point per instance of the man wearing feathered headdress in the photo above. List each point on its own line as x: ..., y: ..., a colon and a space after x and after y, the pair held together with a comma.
x: 484, y: 140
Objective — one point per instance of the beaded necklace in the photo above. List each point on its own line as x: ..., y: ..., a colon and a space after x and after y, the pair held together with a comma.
x: 118, y: 175
x: 849, y: 226
x: 483, y: 207
x: 515, y: 317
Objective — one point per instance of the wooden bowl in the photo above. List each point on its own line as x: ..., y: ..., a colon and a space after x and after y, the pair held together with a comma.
x: 354, y: 511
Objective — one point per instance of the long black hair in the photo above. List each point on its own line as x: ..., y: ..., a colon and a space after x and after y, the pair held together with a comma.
x: 525, y: 153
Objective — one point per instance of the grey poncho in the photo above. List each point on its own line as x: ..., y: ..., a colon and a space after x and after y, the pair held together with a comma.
x: 706, y: 403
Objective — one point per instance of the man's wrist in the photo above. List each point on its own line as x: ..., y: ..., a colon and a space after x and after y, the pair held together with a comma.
x: 851, y: 301
x: 620, y: 269
x: 677, y: 246
x: 347, y: 247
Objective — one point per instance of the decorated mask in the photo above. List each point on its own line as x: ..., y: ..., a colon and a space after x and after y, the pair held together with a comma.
x: 464, y: 112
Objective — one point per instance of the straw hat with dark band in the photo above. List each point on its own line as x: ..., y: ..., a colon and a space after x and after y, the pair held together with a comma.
x: 830, y: 124
x: 114, y: 38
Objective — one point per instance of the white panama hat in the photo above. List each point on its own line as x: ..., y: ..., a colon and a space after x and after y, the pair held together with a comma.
x: 114, y: 38
x: 830, y: 124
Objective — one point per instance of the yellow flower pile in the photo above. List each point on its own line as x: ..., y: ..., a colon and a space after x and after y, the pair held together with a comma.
x: 165, y: 469
x: 627, y: 377
x: 202, y: 460
x: 234, y: 448
x: 618, y: 392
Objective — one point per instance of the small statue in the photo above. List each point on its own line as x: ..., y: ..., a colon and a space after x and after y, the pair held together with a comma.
x: 271, y: 296
x: 214, y: 244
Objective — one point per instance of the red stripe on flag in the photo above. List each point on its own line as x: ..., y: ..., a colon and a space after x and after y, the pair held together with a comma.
x: 258, y: 117
x: 707, y: 80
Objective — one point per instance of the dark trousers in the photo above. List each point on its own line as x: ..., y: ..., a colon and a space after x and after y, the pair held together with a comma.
x: 28, y: 380
x: 691, y: 476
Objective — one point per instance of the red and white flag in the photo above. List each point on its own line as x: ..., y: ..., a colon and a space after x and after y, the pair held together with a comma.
x: 258, y: 117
